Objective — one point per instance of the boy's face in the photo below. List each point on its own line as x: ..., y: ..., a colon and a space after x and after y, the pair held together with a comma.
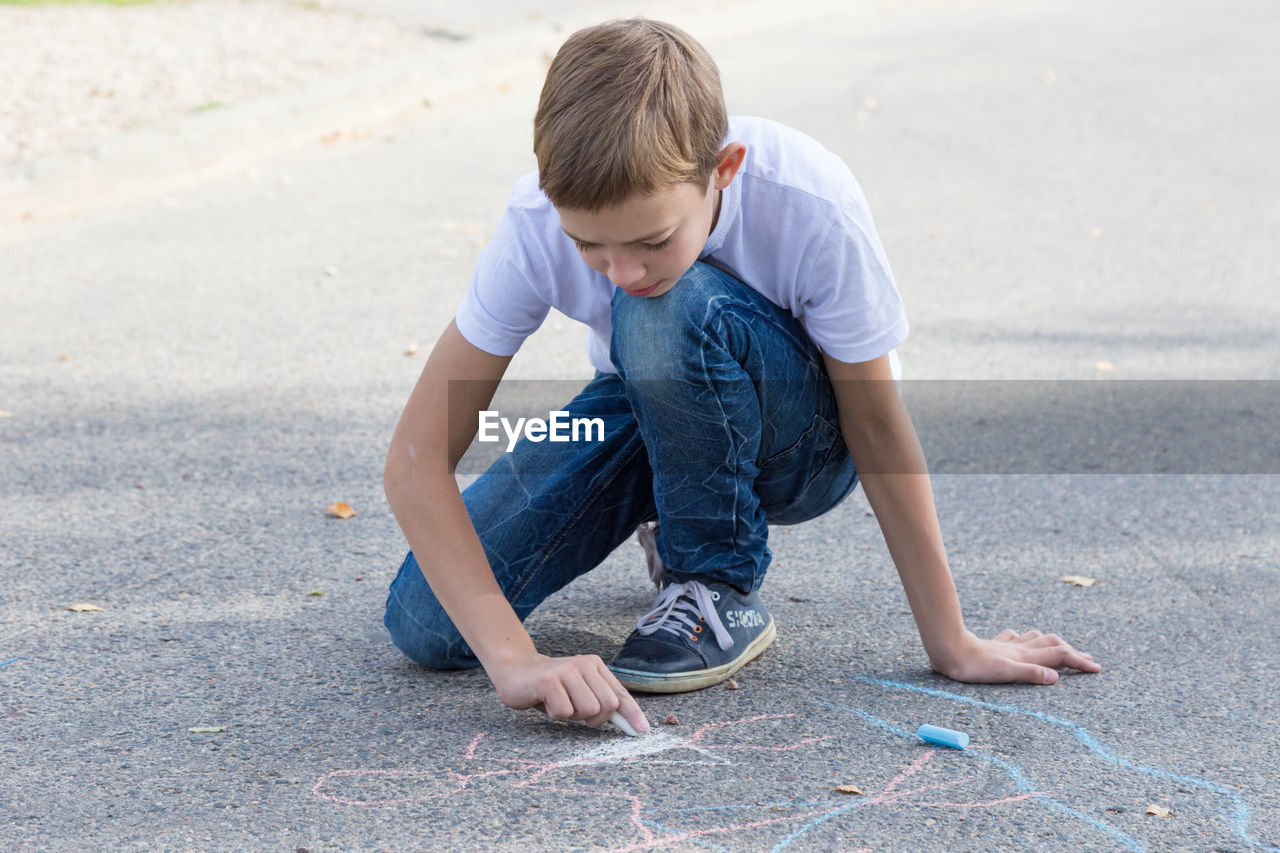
x: 646, y: 243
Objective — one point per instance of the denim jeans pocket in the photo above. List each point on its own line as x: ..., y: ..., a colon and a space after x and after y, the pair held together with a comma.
x: 808, y: 478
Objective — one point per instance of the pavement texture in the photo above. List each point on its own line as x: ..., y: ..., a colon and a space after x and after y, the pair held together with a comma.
x: 188, y: 377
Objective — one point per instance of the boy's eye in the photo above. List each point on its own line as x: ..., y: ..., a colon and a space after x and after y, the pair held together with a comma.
x: 649, y: 247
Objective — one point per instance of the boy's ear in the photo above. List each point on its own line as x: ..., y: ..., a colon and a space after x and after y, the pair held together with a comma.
x: 731, y: 157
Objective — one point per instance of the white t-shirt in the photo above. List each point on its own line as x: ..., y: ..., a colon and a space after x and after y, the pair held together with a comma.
x: 793, y: 225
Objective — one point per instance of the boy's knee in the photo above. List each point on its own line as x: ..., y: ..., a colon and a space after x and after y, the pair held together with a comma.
x: 651, y: 332
x: 430, y: 650
x: 422, y: 644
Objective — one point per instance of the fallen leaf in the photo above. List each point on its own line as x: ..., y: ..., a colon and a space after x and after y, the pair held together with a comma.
x: 206, y: 730
x: 850, y: 789
x: 412, y: 350
x: 1079, y: 580
x: 85, y: 608
x: 673, y: 720
x: 62, y: 356
x: 1158, y: 811
x: 340, y: 510
x: 1104, y: 367
x: 316, y: 592
x: 731, y: 685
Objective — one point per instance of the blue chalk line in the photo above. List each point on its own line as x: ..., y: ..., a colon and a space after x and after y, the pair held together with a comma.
x: 755, y: 807
x: 1023, y: 784
x: 1088, y: 740
x: 816, y: 822
x: 698, y: 841
x: 9, y: 661
x: 1020, y: 780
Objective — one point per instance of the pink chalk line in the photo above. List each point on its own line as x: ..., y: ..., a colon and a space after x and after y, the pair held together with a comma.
x: 531, y: 773
x: 886, y: 797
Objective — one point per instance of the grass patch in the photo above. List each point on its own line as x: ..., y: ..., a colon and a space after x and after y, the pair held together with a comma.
x: 212, y: 105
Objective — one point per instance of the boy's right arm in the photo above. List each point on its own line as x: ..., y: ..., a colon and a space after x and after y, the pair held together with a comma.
x: 435, y: 429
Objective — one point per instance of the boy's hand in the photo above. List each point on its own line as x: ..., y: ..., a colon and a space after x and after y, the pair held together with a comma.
x: 573, y: 688
x: 1010, y: 656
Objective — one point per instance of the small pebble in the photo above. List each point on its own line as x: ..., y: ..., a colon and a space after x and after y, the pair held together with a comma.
x: 672, y: 720
x: 731, y: 685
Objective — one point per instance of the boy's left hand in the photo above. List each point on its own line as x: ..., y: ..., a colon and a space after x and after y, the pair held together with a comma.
x: 1010, y: 656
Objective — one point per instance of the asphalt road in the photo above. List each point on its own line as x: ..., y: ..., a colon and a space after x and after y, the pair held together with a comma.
x: 1067, y: 191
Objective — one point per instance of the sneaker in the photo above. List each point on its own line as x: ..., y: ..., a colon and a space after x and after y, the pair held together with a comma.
x: 695, y: 636
x: 647, y: 534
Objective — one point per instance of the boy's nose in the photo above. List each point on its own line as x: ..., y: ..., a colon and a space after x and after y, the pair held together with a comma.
x: 624, y: 271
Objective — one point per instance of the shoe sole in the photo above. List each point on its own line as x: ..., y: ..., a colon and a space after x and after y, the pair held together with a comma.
x: 683, y: 682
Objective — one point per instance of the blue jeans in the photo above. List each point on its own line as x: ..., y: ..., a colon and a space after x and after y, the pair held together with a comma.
x: 720, y: 421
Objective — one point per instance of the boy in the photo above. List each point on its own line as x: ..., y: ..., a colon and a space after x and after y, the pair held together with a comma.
x: 744, y: 323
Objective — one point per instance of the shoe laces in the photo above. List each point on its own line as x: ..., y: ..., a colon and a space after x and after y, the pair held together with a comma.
x: 681, y: 608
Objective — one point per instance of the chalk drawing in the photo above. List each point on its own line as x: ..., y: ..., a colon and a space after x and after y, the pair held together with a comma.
x: 1019, y: 778
x: 719, y: 757
x: 729, y: 748
x: 1240, y: 812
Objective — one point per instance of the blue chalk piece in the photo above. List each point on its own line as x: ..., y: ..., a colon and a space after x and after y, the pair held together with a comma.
x: 943, y: 737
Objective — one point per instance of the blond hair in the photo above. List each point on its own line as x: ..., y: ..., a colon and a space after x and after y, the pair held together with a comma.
x: 628, y: 107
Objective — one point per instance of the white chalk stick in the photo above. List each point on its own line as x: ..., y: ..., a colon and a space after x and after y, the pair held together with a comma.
x: 621, y: 722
